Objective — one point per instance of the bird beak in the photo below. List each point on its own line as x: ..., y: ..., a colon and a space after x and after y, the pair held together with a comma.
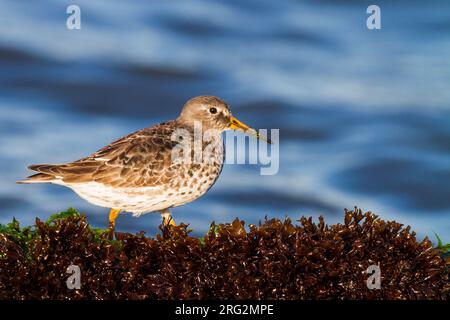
x: 235, y: 124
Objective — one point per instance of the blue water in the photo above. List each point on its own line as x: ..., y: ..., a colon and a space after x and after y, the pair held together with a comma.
x: 364, y: 116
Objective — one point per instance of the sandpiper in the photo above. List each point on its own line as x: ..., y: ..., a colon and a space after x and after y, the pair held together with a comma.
x: 138, y: 174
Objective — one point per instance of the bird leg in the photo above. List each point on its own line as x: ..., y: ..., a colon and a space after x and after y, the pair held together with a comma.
x: 167, y: 218
x: 113, y: 214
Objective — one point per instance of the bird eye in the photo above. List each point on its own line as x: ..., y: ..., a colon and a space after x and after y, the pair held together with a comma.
x: 213, y: 110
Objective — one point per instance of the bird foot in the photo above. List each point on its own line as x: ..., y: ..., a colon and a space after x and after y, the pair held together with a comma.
x: 167, y: 219
x: 111, y: 229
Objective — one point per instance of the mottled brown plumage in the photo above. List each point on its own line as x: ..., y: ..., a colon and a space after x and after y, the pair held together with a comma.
x: 138, y: 174
x: 140, y: 159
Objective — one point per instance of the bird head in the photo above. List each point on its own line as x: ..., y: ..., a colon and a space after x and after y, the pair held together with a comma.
x: 214, y: 113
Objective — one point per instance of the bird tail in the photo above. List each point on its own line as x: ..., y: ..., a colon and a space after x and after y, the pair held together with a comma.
x: 45, y: 174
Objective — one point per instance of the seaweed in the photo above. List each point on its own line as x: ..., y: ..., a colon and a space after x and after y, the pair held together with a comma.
x: 275, y: 259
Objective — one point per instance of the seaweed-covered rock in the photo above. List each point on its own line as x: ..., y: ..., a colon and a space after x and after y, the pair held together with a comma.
x: 273, y: 260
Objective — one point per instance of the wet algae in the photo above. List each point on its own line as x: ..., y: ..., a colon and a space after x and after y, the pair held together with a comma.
x: 272, y: 260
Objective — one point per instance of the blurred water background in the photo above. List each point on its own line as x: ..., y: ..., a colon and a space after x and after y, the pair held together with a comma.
x: 364, y: 116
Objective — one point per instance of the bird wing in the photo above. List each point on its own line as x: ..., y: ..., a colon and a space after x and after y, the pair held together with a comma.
x: 140, y: 159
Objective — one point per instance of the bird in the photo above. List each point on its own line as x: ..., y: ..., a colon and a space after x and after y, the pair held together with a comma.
x: 139, y: 173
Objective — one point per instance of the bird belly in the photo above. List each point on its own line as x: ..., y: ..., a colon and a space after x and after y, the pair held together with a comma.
x: 135, y: 200
x: 140, y: 200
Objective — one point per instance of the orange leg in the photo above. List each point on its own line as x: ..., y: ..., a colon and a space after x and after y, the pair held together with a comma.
x: 113, y: 214
x: 167, y: 218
